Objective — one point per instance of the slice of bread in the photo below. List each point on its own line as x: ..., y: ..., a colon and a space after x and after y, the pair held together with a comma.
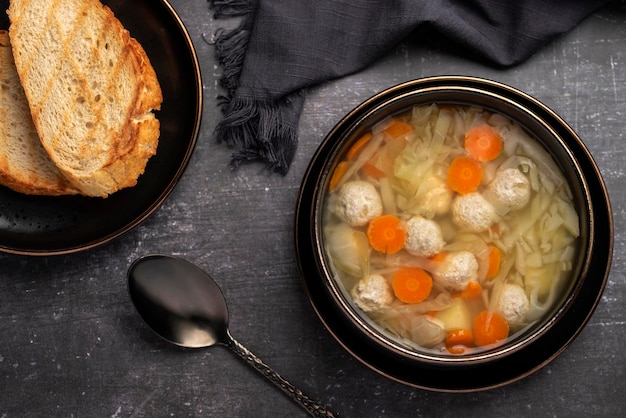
x: 24, y: 164
x: 91, y: 91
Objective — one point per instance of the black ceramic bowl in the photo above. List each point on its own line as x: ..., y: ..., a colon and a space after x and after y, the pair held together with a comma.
x: 485, y: 369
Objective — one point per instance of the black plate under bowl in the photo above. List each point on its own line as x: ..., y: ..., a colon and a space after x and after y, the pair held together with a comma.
x: 504, y: 364
x: 41, y: 225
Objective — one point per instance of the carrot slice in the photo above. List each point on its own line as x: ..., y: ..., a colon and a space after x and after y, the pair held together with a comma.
x: 489, y: 328
x: 397, y: 128
x: 386, y: 234
x: 439, y: 257
x: 372, y: 171
x: 459, y: 337
x: 473, y: 290
x: 494, y: 259
x: 412, y: 285
x: 339, y: 172
x: 483, y: 143
x: 456, y: 349
x: 464, y: 175
x: 356, y: 148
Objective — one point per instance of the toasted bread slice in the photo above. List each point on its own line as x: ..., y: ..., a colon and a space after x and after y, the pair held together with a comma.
x: 24, y: 164
x: 91, y: 91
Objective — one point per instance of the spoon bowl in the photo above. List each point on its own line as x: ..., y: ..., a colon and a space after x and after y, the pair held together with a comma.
x: 183, y: 305
x: 178, y: 301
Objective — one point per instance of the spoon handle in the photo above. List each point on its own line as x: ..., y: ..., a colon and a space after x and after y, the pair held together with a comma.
x: 312, y: 407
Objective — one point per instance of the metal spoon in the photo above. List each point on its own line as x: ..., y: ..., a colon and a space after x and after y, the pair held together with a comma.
x: 183, y: 305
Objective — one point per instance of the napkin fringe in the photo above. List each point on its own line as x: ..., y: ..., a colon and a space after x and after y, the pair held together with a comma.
x: 230, y: 47
x: 261, y: 130
x: 231, y: 44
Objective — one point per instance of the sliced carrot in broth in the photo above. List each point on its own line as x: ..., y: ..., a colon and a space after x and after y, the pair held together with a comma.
x: 464, y: 175
x: 473, y: 291
x: 490, y: 328
x: 370, y: 170
x: 386, y: 234
x: 358, y: 146
x: 339, y: 172
x: 483, y: 143
x: 397, y: 128
x: 460, y: 337
x: 412, y: 284
x: 494, y: 259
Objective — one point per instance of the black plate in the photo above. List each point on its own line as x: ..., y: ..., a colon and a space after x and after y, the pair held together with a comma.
x: 482, y: 371
x: 41, y: 225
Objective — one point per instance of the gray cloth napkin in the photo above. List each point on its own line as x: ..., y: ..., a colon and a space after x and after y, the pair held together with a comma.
x: 282, y: 47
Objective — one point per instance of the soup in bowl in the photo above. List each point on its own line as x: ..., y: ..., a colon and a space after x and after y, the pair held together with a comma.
x: 446, y: 229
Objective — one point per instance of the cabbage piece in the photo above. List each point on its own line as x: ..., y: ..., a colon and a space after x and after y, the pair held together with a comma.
x: 442, y: 125
x: 474, y: 115
x: 467, y: 242
x: 415, y: 161
x: 515, y: 136
x: 524, y: 164
x: 441, y: 301
x: 364, y: 156
x: 348, y: 250
x: 433, y: 197
x: 420, y: 116
x: 382, y: 125
x: 521, y: 225
x: 426, y: 332
x: 500, y: 122
x: 404, y: 259
x: 410, y: 321
x: 539, y: 281
x: 542, y: 158
x: 535, y: 259
x: 389, y: 152
x: 411, y: 166
x: 570, y: 217
x: 543, y: 287
x: 420, y: 330
x: 387, y: 196
x: 504, y: 275
x: 520, y: 257
x: 567, y: 255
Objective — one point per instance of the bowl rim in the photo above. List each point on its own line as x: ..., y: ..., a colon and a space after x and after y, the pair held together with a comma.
x: 504, y: 364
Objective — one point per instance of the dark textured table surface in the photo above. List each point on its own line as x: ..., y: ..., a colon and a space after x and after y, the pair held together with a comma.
x: 71, y: 344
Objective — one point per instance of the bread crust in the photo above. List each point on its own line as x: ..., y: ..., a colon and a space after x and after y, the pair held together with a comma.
x: 24, y: 164
x: 92, y: 98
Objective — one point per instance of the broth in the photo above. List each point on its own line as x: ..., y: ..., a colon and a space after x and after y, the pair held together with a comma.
x: 451, y: 228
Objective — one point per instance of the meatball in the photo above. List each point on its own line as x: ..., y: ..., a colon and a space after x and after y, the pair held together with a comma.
x: 473, y: 212
x: 358, y: 203
x: 509, y: 189
x: 513, y: 304
x: 372, y: 293
x: 423, y: 237
x: 457, y: 270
